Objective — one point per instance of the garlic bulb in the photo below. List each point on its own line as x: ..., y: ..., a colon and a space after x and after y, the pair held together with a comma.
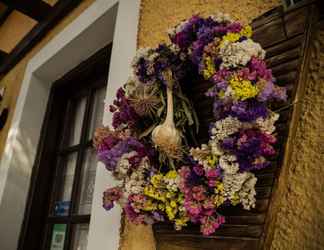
x: 166, y: 136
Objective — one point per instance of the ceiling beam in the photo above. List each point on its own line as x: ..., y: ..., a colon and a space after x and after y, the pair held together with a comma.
x: 60, y: 10
x: 36, y: 9
x: 5, y: 15
x: 3, y: 55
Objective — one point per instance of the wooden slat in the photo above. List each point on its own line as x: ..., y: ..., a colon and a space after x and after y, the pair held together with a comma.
x: 3, y: 55
x: 257, y: 219
x: 284, y: 46
x: 287, y: 78
x: 252, y: 231
x: 286, y: 67
x: 264, y: 180
x: 36, y: 9
x: 295, y: 22
x: 191, y: 242
x: 5, y: 15
x: 283, y: 57
x: 267, y: 17
x: 261, y: 206
x: 263, y: 192
x: 274, y: 29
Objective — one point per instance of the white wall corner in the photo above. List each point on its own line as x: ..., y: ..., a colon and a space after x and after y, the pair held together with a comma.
x: 105, y: 226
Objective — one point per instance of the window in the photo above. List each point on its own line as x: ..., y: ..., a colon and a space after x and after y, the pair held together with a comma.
x: 59, y: 204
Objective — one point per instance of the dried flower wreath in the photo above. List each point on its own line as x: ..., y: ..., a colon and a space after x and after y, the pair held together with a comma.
x: 161, y: 177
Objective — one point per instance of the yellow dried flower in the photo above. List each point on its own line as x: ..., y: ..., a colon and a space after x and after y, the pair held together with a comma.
x: 243, y: 89
x: 173, y: 204
x: 219, y: 200
x: 161, y: 206
x: 172, y: 174
x: 149, y: 206
x: 232, y: 37
x: 181, y: 222
x: 235, y: 199
x: 246, y: 31
x: 221, y: 94
x: 156, y: 180
x: 170, y: 212
x: 209, y: 69
x: 212, y: 160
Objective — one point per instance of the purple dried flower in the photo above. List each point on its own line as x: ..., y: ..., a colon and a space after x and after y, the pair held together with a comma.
x: 235, y: 27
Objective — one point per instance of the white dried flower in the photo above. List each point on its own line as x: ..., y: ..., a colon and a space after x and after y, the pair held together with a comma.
x: 247, y: 192
x: 135, y: 183
x: 123, y: 165
x: 201, y: 155
x: 239, y: 53
x: 222, y: 17
x: 225, y: 127
x: 242, y: 184
x: 215, y: 148
x: 267, y: 125
x: 149, y: 55
x: 229, y: 164
x: 173, y: 31
x: 172, y: 184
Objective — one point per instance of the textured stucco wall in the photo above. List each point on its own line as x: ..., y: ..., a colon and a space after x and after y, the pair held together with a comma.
x: 156, y: 17
x: 12, y: 80
x: 300, y: 220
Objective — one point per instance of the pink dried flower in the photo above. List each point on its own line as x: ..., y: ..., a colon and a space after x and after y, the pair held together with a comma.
x: 198, y: 193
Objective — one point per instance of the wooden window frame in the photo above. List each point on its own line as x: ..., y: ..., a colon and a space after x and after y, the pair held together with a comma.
x: 38, y: 201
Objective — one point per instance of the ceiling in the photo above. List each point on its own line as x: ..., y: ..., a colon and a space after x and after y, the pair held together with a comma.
x: 24, y: 22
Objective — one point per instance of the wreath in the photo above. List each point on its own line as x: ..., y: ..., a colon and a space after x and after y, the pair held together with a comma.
x: 151, y: 150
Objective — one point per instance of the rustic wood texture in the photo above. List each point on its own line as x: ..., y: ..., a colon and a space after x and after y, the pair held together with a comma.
x: 36, y: 9
x: 2, y: 55
x: 53, y: 17
x: 283, y: 35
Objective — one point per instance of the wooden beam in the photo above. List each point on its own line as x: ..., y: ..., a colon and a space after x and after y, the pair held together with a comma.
x: 3, y: 56
x: 60, y: 10
x: 36, y: 9
x: 5, y: 15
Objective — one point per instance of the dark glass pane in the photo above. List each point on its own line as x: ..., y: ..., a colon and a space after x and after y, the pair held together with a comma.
x: 63, y: 199
x: 87, y: 182
x: 80, y: 236
x: 98, y: 110
x: 74, y: 123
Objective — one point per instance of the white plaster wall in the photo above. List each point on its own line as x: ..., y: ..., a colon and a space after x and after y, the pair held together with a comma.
x: 92, y: 30
x: 104, y: 226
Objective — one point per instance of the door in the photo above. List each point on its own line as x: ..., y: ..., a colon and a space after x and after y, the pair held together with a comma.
x: 59, y: 203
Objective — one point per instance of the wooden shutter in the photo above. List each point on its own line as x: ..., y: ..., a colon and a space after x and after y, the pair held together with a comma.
x: 284, y: 36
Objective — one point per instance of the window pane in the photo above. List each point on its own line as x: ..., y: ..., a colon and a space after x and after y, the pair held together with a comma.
x: 58, y: 237
x: 87, y: 182
x: 80, y: 238
x: 63, y: 201
x: 76, y: 121
x: 98, y: 110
